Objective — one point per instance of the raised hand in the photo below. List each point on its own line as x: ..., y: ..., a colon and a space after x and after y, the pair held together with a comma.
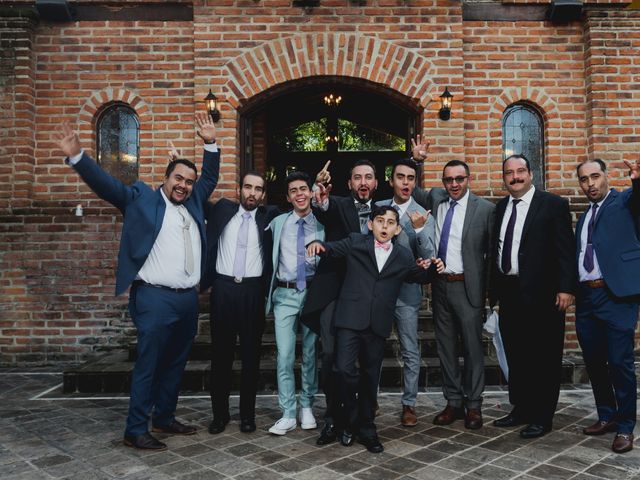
x: 68, y: 140
x: 418, y: 219
x: 174, y: 154
x: 419, y: 148
x: 321, y: 193
x: 206, y: 128
x: 324, y: 177
x: 634, y: 169
x: 315, y: 248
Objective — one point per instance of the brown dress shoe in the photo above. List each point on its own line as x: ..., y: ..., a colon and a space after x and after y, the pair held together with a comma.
x: 449, y: 415
x: 473, y: 419
x: 600, y: 428
x: 408, y: 418
x: 175, y: 428
x: 622, y: 443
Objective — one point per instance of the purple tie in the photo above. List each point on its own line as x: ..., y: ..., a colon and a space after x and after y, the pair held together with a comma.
x: 446, y: 230
x: 508, y: 238
x: 239, y: 261
x: 587, y: 263
x: 301, y: 276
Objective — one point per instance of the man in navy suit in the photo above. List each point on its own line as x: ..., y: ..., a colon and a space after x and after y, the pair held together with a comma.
x: 160, y: 257
x: 608, y: 255
x: 238, y: 270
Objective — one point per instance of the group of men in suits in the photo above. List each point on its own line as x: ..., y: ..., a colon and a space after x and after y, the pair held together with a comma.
x: 522, y: 251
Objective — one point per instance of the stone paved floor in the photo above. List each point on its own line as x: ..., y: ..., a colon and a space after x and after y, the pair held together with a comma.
x: 45, y: 435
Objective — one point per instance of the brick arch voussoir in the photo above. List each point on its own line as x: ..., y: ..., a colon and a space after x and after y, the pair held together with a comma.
x: 331, y: 54
x: 99, y: 99
x: 538, y: 99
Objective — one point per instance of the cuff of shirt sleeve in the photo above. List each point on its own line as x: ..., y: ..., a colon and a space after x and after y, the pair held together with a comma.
x: 76, y: 158
x: 211, y: 147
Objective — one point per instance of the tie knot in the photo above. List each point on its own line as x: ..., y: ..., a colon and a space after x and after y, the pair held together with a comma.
x: 452, y: 203
x: 246, y: 215
x: 300, y: 221
x: 396, y: 208
x: 362, y: 208
x: 515, y: 201
x: 594, y: 207
x: 385, y: 246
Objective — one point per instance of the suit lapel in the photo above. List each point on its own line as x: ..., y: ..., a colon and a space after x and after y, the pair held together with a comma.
x: 160, y: 209
x: 610, y: 199
x: 534, y: 208
x: 389, y: 262
x: 351, y: 214
x: 472, y: 205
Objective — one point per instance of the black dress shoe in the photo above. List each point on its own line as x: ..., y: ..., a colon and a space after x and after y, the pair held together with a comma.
x: 144, y: 442
x: 217, y: 425
x: 534, y: 431
x: 510, y: 420
x: 247, y: 425
x: 346, y: 439
x: 372, y: 444
x: 175, y: 428
x: 327, y: 435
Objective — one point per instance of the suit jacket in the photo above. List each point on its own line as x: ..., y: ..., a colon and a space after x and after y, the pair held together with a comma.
x: 420, y: 244
x: 477, y: 245
x: 427, y: 199
x: 275, y: 231
x: 143, y: 210
x: 547, y: 256
x: 615, y: 240
x: 368, y: 297
x: 218, y: 216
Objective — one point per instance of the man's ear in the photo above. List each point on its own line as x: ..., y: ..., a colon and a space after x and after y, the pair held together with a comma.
x: 398, y: 230
x: 370, y: 225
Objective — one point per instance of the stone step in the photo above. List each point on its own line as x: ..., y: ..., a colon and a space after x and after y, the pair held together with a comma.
x: 111, y: 373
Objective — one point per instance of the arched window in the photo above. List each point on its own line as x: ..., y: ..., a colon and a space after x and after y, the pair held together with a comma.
x: 523, y: 133
x: 118, y: 132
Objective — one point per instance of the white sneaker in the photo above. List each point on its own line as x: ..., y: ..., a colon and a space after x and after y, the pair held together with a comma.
x: 307, y: 420
x: 284, y: 425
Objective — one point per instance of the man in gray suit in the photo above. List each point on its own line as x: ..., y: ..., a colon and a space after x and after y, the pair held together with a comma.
x: 418, y: 231
x: 464, y: 236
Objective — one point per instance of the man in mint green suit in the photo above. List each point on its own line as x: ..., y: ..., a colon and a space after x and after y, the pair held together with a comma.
x: 292, y: 273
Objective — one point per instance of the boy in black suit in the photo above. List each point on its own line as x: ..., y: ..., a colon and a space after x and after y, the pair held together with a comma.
x: 375, y: 271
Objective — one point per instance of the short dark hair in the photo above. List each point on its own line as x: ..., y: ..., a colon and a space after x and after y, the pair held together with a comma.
x: 599, y: 161
x: 182, y: 161
x: 520, y: 155
x: 407, y: 162
x: 293, y: 176
x: 381, y: 210
x: 360, y: 163
x: 457, y: 163
x: 253, y: 173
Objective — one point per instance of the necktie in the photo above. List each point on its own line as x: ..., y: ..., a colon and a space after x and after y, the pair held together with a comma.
x: 363, y: 216
x: 385, y: 246
x: 587, y: 262
x: 446, y: 230
x: 239, y: 261
x: 301, y: 275
x: 186, y: 237
x: 508, y: 238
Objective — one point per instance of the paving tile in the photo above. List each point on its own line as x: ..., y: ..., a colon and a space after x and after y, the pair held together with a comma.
x: 513, y: 462
x: 260, y: 474
x: 607, y: 471
x: 234, y: 467
x: 377, y: 473
x: 550, y: 472
x: 402, y: 465
x: 490, y: 472
x: 458, y: 464
x: 266, y: 457
x: 347, y: 466
x: 435, y: 473
x: 290, y: 466
x: 427, y: 455
x: 205, y: 474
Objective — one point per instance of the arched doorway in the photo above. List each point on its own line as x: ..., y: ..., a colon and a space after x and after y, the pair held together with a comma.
x: 293, y: 127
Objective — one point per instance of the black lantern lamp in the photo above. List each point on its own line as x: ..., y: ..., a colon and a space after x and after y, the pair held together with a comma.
x: 212, y: 106
x: 445, y: 105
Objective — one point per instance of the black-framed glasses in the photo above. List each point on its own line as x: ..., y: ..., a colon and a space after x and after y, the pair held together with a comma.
x: 450, y: 180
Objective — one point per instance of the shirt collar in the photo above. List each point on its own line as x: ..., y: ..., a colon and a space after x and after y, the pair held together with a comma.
x: 601, y: 201
x: 463, y: 201
x: 242, y: 211
x: 402, y: 206
x: 527, y: 197
x: 356, y: 202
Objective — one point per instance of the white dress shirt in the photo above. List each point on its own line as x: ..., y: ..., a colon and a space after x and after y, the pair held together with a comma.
x: 288, y: 258
x: 228, y: 243
x: 594, y: 274
x: 382, y: 255
x: 522, y: 209
x: 454, y: 246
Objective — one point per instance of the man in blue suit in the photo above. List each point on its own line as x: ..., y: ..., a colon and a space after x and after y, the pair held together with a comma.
x: 160, y: 257
x: 608, y: 254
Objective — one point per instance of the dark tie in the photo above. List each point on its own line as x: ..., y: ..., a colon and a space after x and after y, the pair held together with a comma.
x: 446, y: 230
x: 301, y: 276
x: 363, y: 215
x: 587, y: 262
x: 508, y: 238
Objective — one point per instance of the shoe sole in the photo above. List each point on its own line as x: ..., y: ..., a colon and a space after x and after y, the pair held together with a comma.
x: 281, y: 432
x: 308, y: 426
x: 158, y: 430
x: 127, y: 443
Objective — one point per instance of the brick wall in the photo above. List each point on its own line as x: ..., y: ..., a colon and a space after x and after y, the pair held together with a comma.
x: 56, y: 282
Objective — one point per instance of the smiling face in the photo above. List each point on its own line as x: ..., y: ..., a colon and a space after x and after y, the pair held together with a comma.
x: 517, y: 177
x: 385, y: 227
x: 362, y: 183
x: 403, y: 183
x: 299, y: 196
x: 252, y: 192
x: 456, y: 181
x: 178, y: 185
x: 593, y: 181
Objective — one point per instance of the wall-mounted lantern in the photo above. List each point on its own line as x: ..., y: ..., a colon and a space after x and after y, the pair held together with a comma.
x: 212, y: 106
x: 445, y: 105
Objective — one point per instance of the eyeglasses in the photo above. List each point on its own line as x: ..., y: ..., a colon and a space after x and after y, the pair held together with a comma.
x: 450, y: 180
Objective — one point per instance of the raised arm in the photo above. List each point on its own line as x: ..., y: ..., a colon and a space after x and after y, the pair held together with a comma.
x: 207, y: 182
x: 634, y: 200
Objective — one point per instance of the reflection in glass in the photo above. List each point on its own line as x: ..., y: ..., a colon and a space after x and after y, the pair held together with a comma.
x: 523, y: 133
x: 119, y: 142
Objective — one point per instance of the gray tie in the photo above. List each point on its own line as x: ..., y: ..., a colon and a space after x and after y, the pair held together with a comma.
x: 186, y: 236
x: 239, y: 262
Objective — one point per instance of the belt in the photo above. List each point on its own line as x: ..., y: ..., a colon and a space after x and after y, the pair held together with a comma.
x: 228, y: 278
x: 281, y: 284
x: 138, y: 283
x: 599, y: 283
x: 452, y: 277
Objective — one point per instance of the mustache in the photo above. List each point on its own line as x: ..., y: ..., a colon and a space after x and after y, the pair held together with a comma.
x: 516, y: 180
